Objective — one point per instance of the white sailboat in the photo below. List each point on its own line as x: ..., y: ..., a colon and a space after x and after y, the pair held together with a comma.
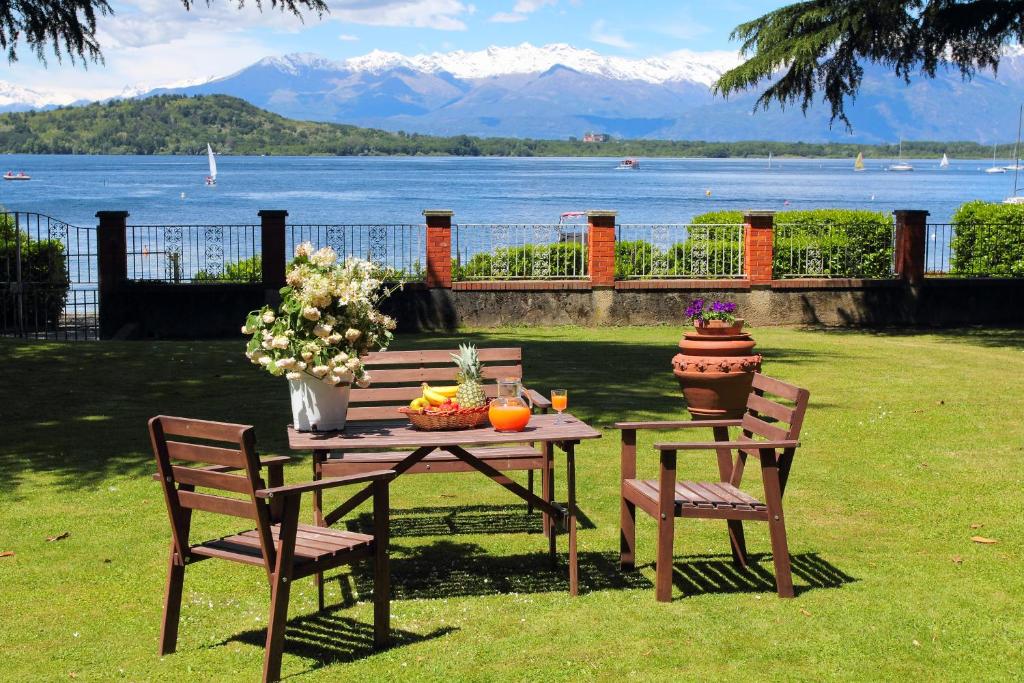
x: 858, y: 163
x: 1016, y: 198
x: 945, y: 161
x: 769, y: 161
x: 211, y: 179
x: 994, y: 168
x: 901, y: 165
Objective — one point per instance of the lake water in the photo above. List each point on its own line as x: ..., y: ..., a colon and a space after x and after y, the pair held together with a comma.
x: 479, y: 190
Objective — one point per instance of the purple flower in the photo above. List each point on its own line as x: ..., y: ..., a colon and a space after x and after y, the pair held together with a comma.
x: 698, y: 312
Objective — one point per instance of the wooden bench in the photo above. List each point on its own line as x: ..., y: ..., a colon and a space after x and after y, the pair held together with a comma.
x: 397, y: 379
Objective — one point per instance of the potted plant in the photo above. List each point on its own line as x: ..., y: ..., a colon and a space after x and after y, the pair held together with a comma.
x: 716, y: 363
x: 328, y: 318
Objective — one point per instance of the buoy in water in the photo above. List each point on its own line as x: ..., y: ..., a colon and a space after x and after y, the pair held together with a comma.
x: 707, y: 193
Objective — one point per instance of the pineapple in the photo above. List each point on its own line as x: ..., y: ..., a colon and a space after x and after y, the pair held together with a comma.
x: 471, y: 390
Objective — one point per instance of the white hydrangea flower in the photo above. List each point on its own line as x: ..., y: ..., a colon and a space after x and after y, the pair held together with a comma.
x: 352, y: 334
x: 301, y: 365
x: 320, y: 370
x: 364, y: 381
x: 280, y: 342
x: 294, y: 375
x: 307, y: 355
x: 304, y: 249
x: 322, y: 330
x: 311, y: 313
x: 341, y: 358
x: 286, y: 363
x: 334, y: 339
x: 352, y: 363
x: 266, y: 360
x: 324, y: 257
x: 269, y: 317
x: 246, y: 329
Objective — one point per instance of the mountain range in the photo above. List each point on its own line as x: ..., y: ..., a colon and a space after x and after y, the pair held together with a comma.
x: 558, y: 91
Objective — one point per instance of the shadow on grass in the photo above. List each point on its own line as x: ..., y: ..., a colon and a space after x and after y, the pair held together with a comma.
x: 447, y: 569
x: 327, y: 638
x: 460, y: 520
x: 716, y: 574
x: 985, y: 337
x: 78, y: 410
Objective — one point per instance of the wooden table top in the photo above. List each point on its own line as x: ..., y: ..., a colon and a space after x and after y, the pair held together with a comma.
x: 541, y: 428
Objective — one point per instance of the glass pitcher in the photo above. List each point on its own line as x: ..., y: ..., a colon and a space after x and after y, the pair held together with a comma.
x: 511, y: 410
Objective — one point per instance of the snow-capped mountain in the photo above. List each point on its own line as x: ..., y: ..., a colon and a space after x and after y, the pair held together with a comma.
x: 16, y: 98
x: 558, y: 91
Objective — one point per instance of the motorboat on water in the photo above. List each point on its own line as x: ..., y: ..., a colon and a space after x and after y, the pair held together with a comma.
x: 20, y: 175
x: 629, y: 164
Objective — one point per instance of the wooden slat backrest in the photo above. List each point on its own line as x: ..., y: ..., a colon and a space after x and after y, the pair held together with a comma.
x: 398, y: 375
x: 787, y: 419
x: 184, y: 465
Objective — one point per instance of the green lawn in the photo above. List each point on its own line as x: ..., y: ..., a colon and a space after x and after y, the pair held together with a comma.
x: 913, y: 444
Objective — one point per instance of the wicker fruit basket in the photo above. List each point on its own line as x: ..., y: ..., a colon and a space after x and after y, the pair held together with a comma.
x: 466, y: 418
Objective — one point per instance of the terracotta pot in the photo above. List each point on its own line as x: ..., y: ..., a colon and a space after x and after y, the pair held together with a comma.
x: 715, y: 368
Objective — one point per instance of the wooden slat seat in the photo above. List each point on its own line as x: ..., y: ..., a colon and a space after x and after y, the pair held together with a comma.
x: 702, y: 495
x: 312, y: 545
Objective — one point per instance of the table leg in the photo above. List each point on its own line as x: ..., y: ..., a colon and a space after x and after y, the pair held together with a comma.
x: 570, y: 479
x: 318, y: 519
x: 548, y: 486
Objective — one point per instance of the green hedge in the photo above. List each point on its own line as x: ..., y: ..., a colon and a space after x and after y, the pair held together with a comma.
x: 639, y: 258
x: 988, y: 239
x: 44, y: 275
x: 567, y: 259
x: 851, y: 243
x: 246, y: 270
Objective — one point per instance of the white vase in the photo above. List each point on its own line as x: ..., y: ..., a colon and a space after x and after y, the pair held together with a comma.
x: 318, y: 406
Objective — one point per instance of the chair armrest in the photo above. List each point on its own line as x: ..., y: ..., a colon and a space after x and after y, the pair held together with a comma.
x: 321, y: 484
x: 539, y: 401
x: 678, y: 424
x: 715, y: 445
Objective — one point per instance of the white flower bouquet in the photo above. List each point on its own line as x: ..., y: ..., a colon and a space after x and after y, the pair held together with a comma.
x: 328, y: 319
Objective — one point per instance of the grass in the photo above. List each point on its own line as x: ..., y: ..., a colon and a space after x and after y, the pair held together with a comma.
x: 913, y: 444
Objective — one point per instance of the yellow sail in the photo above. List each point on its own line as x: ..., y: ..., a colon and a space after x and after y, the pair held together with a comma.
x: 858, y: 165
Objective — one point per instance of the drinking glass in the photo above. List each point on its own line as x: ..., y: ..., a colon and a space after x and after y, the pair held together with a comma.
x: 559, y: 401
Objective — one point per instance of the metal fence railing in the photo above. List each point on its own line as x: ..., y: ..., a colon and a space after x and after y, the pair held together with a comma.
x: 678, y: 251
x: 193, y: 253
x: 829, y: 250
x: 974, y: 250
x: 505, y: 251
x: 48, y: 278
x: 399, y: 250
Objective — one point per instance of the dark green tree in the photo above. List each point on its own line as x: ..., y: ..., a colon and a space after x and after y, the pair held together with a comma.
x: 821, y: 45
x: 68, y: 27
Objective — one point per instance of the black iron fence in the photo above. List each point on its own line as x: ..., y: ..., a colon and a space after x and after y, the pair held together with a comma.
x: 48, y: 278
x: 398, y: 250
x: 974, y: 250
x: 193, y: 253
x: 831, y: 250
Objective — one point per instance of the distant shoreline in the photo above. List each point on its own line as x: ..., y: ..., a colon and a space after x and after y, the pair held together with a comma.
x: 175, y: 125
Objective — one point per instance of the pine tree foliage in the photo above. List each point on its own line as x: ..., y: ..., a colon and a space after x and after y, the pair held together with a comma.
x: 820, y: 46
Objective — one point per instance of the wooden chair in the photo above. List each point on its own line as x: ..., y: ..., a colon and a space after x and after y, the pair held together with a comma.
x: 665, y: 498
x: 284, y: 548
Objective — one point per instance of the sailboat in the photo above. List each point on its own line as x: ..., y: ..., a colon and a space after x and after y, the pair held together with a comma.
x: 858, y: 163
x: 901, y: 165
x: 994, y: 168
x: 945, y: 161
x: 211, y: 179
x: 1016, y: 198
x: 769, y: 161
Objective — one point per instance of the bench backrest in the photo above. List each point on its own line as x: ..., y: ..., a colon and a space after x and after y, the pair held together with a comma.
x: 230, y: 466
x: 397, y: 377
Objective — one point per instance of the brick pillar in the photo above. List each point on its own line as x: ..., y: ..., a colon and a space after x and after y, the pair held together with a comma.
x: 112, y: 268
x: 601, y: 248
x: 439, y: 248
x: 909, y: 245
x: 273, y: 259
x: 758, y: 236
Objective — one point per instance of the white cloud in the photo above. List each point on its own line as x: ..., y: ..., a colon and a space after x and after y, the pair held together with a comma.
x: 507, y: 18
x: 348, y: 38
x: 600, y: 33
x: 442, y: 15
x: 528, y: 6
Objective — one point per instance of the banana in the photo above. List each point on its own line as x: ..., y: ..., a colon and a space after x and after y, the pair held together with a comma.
x: 419, y: 403
x: 447, y: 392
x: 435, y: 398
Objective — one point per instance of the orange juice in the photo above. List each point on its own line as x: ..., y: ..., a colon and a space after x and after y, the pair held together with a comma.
x: 508, y: 418
x: 559, y: 403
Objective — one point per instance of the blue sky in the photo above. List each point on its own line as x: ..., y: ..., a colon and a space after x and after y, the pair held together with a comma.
x: 154, y: 42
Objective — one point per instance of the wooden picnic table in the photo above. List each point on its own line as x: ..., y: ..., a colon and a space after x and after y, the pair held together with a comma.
x: 543, y: 430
